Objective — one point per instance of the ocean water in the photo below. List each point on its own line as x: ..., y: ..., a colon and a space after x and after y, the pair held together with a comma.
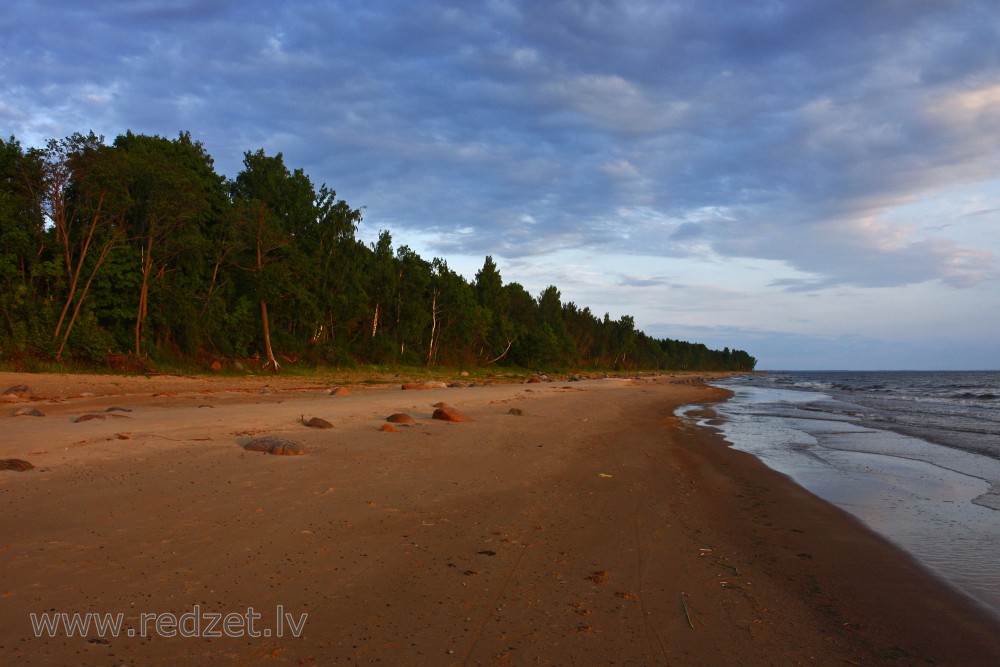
x: 914, y: 455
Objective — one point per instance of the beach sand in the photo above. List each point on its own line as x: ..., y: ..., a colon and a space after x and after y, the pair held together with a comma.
x: 594, y: 528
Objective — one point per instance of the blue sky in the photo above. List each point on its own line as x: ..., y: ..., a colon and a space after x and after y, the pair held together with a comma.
x: 814, y: 182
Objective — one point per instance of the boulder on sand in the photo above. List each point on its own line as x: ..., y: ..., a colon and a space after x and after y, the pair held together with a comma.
x: 316, y: 422
x: 276, y: 445
x: 450, y: 414
x: 400, y: 418
x: 17, y: 465
x: 17, y: 391
x: 426, y: 385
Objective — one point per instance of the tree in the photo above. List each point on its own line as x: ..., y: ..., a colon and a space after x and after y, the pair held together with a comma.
x: 495, y: 304
x: 337, y: 294
x: 171, y: 187
x: 414, y: 305
x: 294, y: 235
x: 456, y: 318
x: 384, y: 278
x: 22, y: 236
x: 82, y: 203
x: 267, y: 202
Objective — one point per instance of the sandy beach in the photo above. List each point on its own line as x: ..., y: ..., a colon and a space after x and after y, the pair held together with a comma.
x: 587, y: 527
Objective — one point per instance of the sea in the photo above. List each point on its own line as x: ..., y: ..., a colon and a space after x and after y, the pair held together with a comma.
x: 913, y: 455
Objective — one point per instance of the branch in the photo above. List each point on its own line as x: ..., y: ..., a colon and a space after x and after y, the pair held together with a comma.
x: 503, y: 354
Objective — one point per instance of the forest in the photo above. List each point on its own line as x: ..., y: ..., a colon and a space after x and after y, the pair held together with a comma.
x: 137, y: 253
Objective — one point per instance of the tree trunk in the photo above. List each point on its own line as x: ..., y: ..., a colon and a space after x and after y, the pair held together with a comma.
x: 79, y: 302
x: 74, y: 274
x: 272, y: 363
x: 434, y: 328
x: 140, y: 313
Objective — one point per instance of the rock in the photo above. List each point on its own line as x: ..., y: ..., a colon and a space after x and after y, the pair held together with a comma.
x: 456, y: 385
x: 389, y: 428
x: 450, y: 414
x: 464, y: 374
x: 17, y: 465
x: 317, y: 422
x: 91, y: 417
x: 216, y: 366
x: 576, y: 378
x: 339, y: 391
x: 430, y: 384
x: 276, y: 445
x: 237, y: 366
x: 400, y: 418
x: 534, y: 380
x: 119, y: 410
x: 18, y: 391
x: 29, y: 412
x: 87, y: 418
x: 265, y: 390
x: 516, y: 411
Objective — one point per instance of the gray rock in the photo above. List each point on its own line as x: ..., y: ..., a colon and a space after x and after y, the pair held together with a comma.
x: 276, y: 445
x: 18, y: 391
x: 17, y: 465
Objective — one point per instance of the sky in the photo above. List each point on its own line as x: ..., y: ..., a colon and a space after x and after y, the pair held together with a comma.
x: 814, y: 182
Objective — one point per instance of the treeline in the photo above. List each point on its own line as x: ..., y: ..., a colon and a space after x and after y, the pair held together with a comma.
x: 140, y: 250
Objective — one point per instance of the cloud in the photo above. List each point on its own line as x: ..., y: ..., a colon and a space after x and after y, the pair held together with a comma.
x: 810, y: 135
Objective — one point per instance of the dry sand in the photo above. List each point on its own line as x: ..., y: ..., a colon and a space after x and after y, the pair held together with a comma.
x: 595, y: 528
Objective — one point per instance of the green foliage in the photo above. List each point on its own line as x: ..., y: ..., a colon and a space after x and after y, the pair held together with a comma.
x: 140, y: 248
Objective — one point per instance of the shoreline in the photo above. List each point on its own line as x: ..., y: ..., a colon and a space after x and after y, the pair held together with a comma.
x: 594, y: 527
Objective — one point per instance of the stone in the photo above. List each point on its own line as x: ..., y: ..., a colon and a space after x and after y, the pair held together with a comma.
x: 87, y: 418
x: 18, y: 391
x: 276, y: 445
x: 91, y: 417
x: 16, y: 465
x: 534, y: 380
x: 400, y: 418
x: 216, y: 366
x: 317, y: 422
x: 430, y: 384
x: 516, y: 411
x: 450, y: 414
x: 389, y: 428
x: 339, y: 391
x: 29, y: 412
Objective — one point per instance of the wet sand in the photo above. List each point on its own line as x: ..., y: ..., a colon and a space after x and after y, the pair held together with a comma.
x: 593, y: 528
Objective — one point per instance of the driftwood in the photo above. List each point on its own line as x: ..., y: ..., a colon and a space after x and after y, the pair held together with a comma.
x: 687, y: 610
